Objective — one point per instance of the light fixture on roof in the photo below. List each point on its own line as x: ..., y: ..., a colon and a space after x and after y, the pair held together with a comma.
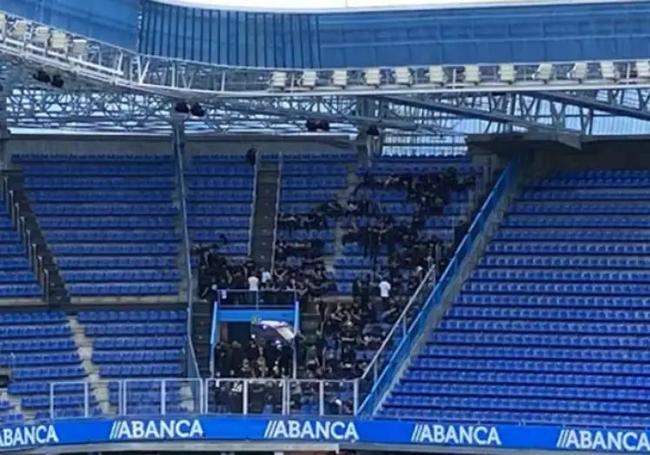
x: 41, y: 35
x: 3, y: 24
x: 544, y: 72
x: 309, y: 79
x: 20, y: 29
x: 437, y: 75
x: 643, y: 69
x: 403, y: 75
x: 278, y: 79
x: 579, y: 71
x: 608, y: 71
x: 79, y: 48
x: 507, y: 73
x: 340, y: 78
x: 59, y: 41
x: 372, y: 76
x: 472, y: 74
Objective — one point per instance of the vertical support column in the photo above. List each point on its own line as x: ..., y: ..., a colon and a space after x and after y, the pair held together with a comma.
x: 4, y: 128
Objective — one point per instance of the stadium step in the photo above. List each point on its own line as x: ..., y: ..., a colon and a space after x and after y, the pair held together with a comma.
x: 265, y: 212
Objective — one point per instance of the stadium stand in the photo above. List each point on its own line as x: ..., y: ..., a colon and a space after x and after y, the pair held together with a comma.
x: 17, y: 279
x: 220, y: 201
x: 551, y: 327
x: 109, y: 220
x: 38, y: 348
x: 139, y: 346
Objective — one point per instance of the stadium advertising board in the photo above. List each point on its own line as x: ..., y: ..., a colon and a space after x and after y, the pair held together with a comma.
x: 346, y: 433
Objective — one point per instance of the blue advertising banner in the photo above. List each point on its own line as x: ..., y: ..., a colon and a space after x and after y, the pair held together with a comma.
x: 344, y: 432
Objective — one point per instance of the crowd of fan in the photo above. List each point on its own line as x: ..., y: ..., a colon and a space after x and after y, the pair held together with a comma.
x: 378, y: 296
x: 298, y: 268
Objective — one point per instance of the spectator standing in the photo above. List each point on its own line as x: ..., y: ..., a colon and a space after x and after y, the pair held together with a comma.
x: 384, y: 294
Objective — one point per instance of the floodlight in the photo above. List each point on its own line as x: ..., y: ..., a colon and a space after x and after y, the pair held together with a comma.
x: 544, y: 72
x: 309, y: 79
x: 41, y: 35
x: 403, y: 75
x: 197, y: 110
x: 59, y: 41
x: 57, y: 81
x: 3, y: 23
x: 278, y: 79
x: 579, y: 71
x: 79, y: 48
x: 507, y: 73
x: 372, y: 76
x: 340, y: 78
x: 437, y: 75
x: 20, y: 29
x: 472, y: 74
x: 643, y: 69
x: 608, y: 70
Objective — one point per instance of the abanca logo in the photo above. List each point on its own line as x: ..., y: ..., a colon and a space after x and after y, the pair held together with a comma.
x: 458, y: 435
x: 337, y: 430
x: 603, y: 440
x: 27, y: 436
x: 125, y: 430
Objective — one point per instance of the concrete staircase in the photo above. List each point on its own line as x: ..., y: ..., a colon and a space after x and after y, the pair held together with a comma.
x: 85, y: 348
x: 56, y: 294
x: 265, y: 212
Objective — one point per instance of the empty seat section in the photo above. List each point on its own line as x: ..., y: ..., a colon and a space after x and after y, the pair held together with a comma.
x: 109, y: 220
x: 139, y: 346
x: 220, y: 197
x: 40, y: 352
x: 17, y: 280
x: 552, y: 325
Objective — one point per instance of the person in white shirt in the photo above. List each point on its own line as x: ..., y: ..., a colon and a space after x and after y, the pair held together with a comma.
x: 253, y: 283
x: 266, y: 276
x: 384, y: 294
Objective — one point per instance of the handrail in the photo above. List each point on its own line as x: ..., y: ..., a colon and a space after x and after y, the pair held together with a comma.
x: 278, y: 194
x: 177, y: 147
x: 399, y: 323
x: 435, y: 298
x: 251, y: 218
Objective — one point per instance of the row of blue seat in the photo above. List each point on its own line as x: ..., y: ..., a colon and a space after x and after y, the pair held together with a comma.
x: 579, y: 221
x: 114, y: 329
x: 104, y: 209
x: 30, y: 331
x: 131, y: 316
x: 636, y: 276
x: 136, y: 343
x: 37, y: 345
x: 214, y: 222
x: 122, y: 289
x: 19, y: 360
x: 534, y: 353
x: 555, y: 288
x: 161, y: 356
x: 560, y: 340
x: 58, y: 157
x: 561, y: 261
x: 514, y: 247
x: 219, y: 209
x: 59, y: 401
x: 110, y: 195
x: 140, y: 370
x: 17, y: 276
x: 105, y: 222
x: 136, y: 275
x: 586, y: 194
x: 212, y: 183
x: 106, y: 236
x: 32, y: 317
x: 116, y: 262
x: 460, y: 310
x: 558, y: 302
x: 226, y: 196
x: 66, y: 372
x: 20, y: 290
x: 115, y: 249
x: 122, y: 183
x: 584, y: 235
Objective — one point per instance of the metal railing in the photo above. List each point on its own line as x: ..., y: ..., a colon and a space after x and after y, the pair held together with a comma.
x: 263, y: 299
x: 177, y: 146
x: 397, y: 332
x: 278, y: 195
x: 251, y: 218
x: 227, y: 396
x: 393, y: 358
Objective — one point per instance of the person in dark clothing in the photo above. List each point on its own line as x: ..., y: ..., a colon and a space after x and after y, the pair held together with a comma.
x: 251, y: 156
